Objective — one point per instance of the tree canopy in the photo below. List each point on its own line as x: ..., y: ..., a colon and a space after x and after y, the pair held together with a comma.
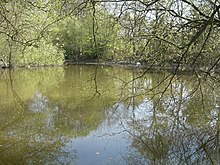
x: 159, y: 32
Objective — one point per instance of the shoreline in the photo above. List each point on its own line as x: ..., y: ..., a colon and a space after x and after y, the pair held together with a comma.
x: 172, y: 68
x: 182, y: 69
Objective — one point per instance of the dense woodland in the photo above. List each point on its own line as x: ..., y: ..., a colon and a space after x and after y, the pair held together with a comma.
x: 152, y: 32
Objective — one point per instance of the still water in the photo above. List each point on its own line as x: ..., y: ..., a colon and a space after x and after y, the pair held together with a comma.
x: 98, y: 115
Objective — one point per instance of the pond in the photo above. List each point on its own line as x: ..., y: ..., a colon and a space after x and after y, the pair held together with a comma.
x: 105, y: 115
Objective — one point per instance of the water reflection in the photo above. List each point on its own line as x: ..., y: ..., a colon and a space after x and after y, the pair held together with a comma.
x: 178, y: 126
x: 104, y: 115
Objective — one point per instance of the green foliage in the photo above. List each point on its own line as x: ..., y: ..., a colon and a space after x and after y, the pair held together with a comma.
x: 43, y: 54
x: 24, y: 33
x: 42, y: 32
x: 67, y: 36
x: 76, y: 36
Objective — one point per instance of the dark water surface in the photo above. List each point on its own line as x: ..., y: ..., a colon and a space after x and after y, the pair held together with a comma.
x: 97, y: 115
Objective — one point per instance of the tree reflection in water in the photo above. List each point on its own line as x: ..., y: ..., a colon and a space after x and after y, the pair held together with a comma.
x: 179, y: 125
x: 170, y: 119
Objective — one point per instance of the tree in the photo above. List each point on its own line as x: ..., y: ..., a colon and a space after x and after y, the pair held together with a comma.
x: 23, y: 29
x: 178, y: 31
